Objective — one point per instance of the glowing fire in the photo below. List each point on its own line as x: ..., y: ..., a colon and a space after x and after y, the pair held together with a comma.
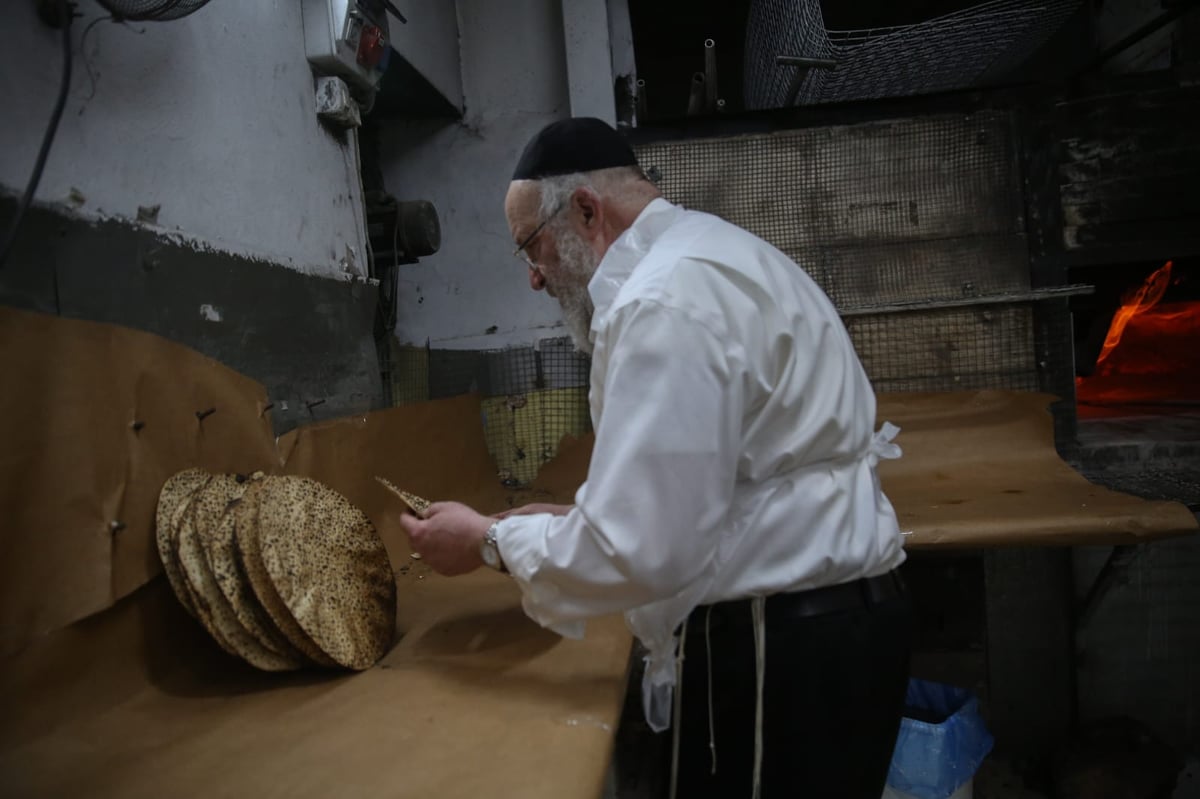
x: 1151, y: 354
x: 1145, y: 298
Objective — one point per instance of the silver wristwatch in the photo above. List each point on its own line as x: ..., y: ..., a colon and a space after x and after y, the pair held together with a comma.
x: 489, y: 550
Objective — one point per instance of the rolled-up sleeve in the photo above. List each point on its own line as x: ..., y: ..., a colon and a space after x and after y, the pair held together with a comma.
x: 661, y: 478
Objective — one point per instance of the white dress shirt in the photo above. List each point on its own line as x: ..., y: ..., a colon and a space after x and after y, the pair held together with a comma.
x: 735, y: 449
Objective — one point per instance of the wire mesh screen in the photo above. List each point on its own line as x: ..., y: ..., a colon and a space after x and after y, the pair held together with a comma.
x: 949, y: 52
x: 953, y: 349
x: 915, y: 212
x: 532, y: 396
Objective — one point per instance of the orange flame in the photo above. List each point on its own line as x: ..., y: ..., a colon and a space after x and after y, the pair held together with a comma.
x: 1150, y: 356
x: 1146, y: 297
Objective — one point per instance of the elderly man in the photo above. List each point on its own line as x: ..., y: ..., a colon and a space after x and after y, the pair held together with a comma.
x: 732, y: 508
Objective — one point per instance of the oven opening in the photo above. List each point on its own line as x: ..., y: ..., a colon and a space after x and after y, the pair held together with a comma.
x: 1137, y: 340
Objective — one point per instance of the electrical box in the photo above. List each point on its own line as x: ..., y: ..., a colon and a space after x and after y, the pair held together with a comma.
x: 348, y: 39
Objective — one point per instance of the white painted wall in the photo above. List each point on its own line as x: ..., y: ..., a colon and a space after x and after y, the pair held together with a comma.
x: 429, y: 42
x: 210, y: 116
x: 514, y: 80
x: 585, y: 27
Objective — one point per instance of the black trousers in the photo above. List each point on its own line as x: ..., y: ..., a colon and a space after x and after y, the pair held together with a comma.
x: 833, y: 694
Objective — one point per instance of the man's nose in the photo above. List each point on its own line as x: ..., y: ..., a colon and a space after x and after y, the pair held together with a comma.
x: 537, y: 281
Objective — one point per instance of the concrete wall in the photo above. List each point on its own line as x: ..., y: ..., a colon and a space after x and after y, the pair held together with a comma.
x: 514, y: 81
x: 210, y: 117
x: 257, y: 253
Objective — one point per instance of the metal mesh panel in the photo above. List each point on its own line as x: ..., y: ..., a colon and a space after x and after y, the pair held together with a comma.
x: 532, y: 397
x: 960, y: 349
x: 901, y: 210
x: 950, y: 52
x: 910, y: 211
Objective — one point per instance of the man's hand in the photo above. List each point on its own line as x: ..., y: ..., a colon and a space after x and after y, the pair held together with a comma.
x: 535, y: 507
x: 448, y: 538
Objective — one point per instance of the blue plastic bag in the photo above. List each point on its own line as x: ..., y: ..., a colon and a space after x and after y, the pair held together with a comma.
x: 941, y: 746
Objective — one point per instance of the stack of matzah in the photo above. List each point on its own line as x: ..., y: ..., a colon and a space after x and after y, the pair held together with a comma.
x: 283, y: 572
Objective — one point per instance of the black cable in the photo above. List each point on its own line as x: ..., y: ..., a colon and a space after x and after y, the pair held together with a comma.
x: 63, y: 88
x: 87, y: 64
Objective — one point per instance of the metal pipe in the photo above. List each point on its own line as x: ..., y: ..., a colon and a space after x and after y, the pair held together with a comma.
x: 640, y: 98
x: 696, y: 95
x: 710, y: 76
x: 1033, y: 295
x: 802, y: 64
x: 805, y: 61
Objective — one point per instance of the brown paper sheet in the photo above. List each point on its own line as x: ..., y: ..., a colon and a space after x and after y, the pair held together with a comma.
x: 979, y: 469
x: 474, y: 699
x: 78, y: 484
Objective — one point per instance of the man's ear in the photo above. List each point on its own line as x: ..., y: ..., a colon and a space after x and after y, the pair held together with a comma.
x: 587, y: 212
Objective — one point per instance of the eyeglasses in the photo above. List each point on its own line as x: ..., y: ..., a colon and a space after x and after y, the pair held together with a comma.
x: 520, y: 251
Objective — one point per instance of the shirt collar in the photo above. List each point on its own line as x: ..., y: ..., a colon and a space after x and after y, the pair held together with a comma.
x: 624, y: 254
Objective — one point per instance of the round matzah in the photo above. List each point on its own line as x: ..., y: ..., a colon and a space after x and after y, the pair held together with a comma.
x: 231, y: 577
x: 173, y: 501
x: 210, y: 513
x: 185, y: 530
x: 248, y: 556
x: 330, y: 567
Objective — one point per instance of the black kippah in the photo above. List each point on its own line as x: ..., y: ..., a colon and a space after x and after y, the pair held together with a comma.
x: 580, y: 144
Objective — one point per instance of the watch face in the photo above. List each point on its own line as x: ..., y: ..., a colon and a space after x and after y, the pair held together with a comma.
x: 490, y: 556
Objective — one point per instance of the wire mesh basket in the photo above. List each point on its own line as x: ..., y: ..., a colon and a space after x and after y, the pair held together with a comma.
x: 151, y: 10
x: 949, y: 52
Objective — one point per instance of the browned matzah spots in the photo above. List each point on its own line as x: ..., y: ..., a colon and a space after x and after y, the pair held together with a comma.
x: 210, y: 514
x: 232, y: 582
x: 248, y: 555
x: 281, y: 571
x: 173, y: 502
x: 329, y: 565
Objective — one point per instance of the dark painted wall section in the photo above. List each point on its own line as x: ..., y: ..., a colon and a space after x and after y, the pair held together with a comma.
x: 1128, y: 171
x: 307, y: 339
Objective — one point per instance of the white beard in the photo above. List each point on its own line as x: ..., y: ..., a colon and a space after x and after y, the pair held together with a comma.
x: 578, y: 263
